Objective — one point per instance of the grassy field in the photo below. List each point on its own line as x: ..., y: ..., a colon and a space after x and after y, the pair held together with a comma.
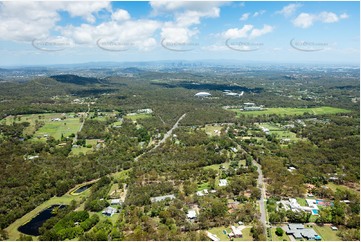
x: 293, y: 111
x: 326, y: 233
x: 203, y: 186
x: 58, y: 128
x: 209, y: 129
x: 84, y: 150
x: 280, y: 132
x: 216, y: 166
x: 138, y: 116
x: 102, y: 116
x: 334, y: 187
x: 275, y: 237
x: 121, y: 175
x: 52, y: 128
x: 223, y: 237
x: 65, y: 199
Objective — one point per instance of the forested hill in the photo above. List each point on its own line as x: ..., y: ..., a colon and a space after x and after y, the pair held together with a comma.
x: 74, y: 79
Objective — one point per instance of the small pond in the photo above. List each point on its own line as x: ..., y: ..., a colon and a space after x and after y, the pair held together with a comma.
x: 82, y: 189
x: 32, y: 227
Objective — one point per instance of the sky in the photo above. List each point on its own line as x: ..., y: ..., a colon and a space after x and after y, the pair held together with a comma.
x: 53, y: 32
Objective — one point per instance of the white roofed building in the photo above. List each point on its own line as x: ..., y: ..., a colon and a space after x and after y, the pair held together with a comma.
x: 203, y: 94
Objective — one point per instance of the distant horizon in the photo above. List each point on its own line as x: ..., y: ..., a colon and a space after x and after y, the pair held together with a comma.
x: 200, y: 61
x: 56, y: 33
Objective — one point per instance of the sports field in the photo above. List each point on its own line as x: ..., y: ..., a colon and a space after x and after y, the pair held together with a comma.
x: 293, y: 111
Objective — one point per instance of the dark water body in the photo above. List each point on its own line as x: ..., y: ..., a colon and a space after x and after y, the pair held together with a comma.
x: 32, y: 227
x: 208, y: 86
x: 83, y: 188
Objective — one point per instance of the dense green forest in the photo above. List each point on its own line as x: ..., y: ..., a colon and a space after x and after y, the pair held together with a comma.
x: 211, y: 143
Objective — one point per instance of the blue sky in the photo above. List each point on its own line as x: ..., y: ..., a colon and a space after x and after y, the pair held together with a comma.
x: 77, y: 32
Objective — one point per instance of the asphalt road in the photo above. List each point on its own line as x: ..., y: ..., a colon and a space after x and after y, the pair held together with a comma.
x: 261, y: 185
x: 165, y: 137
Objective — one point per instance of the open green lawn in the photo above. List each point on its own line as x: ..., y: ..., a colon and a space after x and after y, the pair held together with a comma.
x: 334, y: 187
x: 102, y: 116
x: 223, y: 237
x: 326, y: 233
x: 114, y: 187
x: 280, y: 132
x: 102, y: 217
x: 216, y: 166
x: 65, y: 199
x: 301, y: 201
x: 84, y: 150
x: 121, y: 175
x: 209, y: 129
x: 293, y: 111
x: 203, y: 186
x: 53, y: 128
x: 275, y: 237
x: 138, y: 116
x: 58, y: 128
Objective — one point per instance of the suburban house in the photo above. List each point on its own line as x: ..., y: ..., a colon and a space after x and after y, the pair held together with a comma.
x: 161, y: 198
x: 115, y: 202
x: 251, y: 107
x: 213, y: 237
x: 298, y: 231
x: 200, y: 193
x: 296, y: 207
x: 222, y: 182
x: 236, y: 232
x: 109, y: 211
x: 191, y: 214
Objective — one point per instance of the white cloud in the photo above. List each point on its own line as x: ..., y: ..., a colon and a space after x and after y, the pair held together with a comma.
x: 344, y: 16
x: 306, y: 20
x: 186, y: 16
x: 177, y: 34
x: 191, y: 17
x: 237, y: 33
x: 172, y: 6
x: 258, y: 13
x: 86, y: 10
x: 259, y: 32
x: 245, y: 16
x: 120, y: 15
x: 25, y: 21
x: 328, y: 17
x: 130, y: 33
x: 247, y: 31
x: 289, y: 9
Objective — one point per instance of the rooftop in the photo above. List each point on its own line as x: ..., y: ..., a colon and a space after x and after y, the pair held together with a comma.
x: 161, y: 198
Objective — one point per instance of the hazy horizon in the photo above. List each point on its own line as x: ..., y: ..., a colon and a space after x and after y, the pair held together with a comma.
x: 279, y: 32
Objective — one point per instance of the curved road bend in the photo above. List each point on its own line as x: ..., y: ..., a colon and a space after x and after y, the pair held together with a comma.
x: 166, y: 136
